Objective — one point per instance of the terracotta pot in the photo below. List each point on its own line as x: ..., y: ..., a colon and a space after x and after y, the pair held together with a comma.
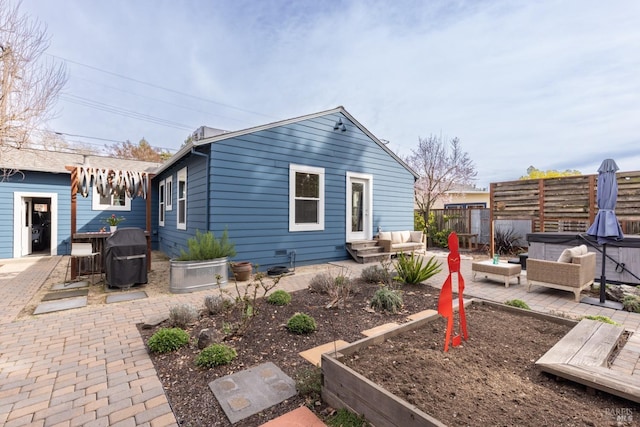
x: 241, y: 270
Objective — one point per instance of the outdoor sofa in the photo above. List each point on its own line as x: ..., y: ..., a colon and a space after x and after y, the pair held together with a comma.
x: 395, y: 242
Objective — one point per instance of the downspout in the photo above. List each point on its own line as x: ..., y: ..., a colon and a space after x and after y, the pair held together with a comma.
x: 207, y: 157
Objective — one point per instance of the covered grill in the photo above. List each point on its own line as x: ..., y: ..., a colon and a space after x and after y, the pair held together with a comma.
x: 125, y: 258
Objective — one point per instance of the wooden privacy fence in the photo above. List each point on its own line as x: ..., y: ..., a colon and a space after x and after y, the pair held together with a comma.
x: 565, y: 203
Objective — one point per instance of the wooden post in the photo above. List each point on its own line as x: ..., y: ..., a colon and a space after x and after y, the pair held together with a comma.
x: 74, y: 208
x: 148, y: 221
x: 541, y: 203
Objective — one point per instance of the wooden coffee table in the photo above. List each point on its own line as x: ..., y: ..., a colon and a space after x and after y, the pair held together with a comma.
x: 502, y: 271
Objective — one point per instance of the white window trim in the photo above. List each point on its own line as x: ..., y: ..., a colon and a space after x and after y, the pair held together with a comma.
x: 161, y: 204
x: 293, y: 169
x: 182, y: 174
x: 168, y: 198
x: 96, y: 206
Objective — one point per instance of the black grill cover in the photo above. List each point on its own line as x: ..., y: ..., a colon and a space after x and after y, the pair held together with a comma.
x: 125, y: 258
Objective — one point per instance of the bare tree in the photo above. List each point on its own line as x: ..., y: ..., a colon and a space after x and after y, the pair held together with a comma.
x: 440, y: 166
x: 29, y: 85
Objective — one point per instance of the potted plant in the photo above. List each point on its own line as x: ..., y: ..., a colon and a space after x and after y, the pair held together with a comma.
x: 241, y: 270
x: 203, y: 265
x: 113, y: 222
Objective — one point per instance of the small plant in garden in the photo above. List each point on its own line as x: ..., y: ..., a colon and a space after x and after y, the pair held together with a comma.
x: 183, y: 315
x: 413, y: 270
x: 279, y: 297
x: 167, y: 339
x: 205, y: 246
x: 518, y: 303
x: 386, y: 299
x: 301, y: 324
x: 339, y: 288
x: 631, y: 303
x: 216, y: 355
x: 345, y: 418
x: 438, y: 235
x: 215, y: 304
x: 376, y: 274
x: 603, y: 319
x: 246, y: 301
x: 309, y: 382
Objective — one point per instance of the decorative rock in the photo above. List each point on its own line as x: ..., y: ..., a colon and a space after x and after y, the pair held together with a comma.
x: 206, y: 337
x: 154, y: 321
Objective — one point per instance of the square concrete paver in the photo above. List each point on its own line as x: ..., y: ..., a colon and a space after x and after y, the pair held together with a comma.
x: 314, y: 355
x: 70, y: 285
x: 301, y: 417
x: 59, y: 305
x: 65, y: 294
x: 130, y: 296
x: 252, y: 390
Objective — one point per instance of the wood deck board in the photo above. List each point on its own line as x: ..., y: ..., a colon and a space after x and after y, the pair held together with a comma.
x: 581, y: 355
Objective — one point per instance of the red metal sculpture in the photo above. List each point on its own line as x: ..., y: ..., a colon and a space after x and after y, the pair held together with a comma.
x: 445, y: 302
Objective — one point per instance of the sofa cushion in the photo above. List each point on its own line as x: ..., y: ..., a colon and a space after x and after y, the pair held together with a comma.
x: 416, y: 236
x: 565, y: 256
x: 384, y: 235
x: 568, y: 254
x: 400, y: 236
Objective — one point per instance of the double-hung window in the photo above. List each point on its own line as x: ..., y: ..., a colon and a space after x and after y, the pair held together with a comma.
x: 117, y: 201
x: 168, y: 200
x: 182, y: 199
x: 161, y: 204
x: 306, y: 198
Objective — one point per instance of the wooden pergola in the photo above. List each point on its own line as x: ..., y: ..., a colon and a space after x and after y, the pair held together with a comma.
x: 108, y: 181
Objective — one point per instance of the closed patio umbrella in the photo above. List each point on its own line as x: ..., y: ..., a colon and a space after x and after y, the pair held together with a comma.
x: 605, y: 227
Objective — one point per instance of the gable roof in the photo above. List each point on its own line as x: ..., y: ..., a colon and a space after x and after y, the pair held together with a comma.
x: 29, y: 159
x: 210, y: 140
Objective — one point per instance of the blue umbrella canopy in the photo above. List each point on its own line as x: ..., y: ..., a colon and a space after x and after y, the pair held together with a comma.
x: 605, y: 226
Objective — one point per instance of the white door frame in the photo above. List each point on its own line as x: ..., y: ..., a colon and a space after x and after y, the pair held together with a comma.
x: 367, y: 213
x: 19, y: 198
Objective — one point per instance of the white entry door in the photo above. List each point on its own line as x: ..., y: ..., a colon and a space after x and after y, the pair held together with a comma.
x: 359, y: 206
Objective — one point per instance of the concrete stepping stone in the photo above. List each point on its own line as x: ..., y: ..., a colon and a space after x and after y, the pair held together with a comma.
x: 59, y: 305
x: 379, y: 329
x: 252, y: 390
x: 314, y: 355
x: 130, y: 296
x: 70, y: 285
x: 301, y: 417
x: 65, y: 294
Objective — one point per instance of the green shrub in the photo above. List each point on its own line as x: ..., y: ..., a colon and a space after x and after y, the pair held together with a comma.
x: 301, y: 324
x: 631, y: 303
x: 375, y: 274
x: 279, y: 297
x: 386, y: 299
x: 345, y: 418
x: 506, y: 240
x: 603, y: 319
x: 205, y: 246
x: 168, y: 339
x: 216, y: 355
x: 309, y: 382
x: 518, y: 303
x: 183, y: 315
x: 412, y: 270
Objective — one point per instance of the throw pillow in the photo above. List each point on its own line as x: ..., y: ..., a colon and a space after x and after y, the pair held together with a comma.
x: 565, y: 256
x: 416, y: 236
x: 384, y: 235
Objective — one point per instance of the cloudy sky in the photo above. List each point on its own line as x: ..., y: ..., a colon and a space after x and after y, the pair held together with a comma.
x: 553, y: 84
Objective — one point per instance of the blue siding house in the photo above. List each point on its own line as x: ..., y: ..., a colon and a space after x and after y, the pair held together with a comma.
x: 293, y: 191
x: 35, y: 213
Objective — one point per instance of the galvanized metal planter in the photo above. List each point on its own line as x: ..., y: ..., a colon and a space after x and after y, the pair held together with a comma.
x: 192, y: 276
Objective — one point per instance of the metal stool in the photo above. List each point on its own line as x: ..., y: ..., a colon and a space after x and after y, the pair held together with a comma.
x: 80, y: 251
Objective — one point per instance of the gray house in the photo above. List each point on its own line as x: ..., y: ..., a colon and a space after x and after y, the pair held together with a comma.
x: 293, y: 191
